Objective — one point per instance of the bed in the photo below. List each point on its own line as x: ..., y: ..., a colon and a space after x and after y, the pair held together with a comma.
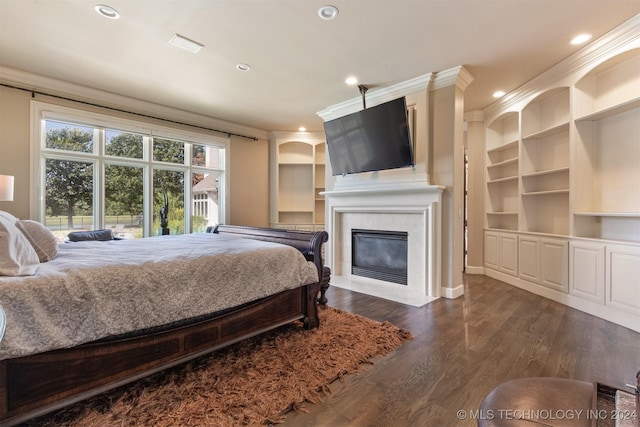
x: 121, y: 331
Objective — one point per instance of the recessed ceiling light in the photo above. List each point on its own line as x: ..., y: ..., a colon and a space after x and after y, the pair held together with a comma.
x: 243, y: 67
x: 498, y: 94
x: 351, y: 80
x: 328, y: 12
x: 302, y: 129
x: 185, y: 43
x: 107, y: 11
x: 579, y: 39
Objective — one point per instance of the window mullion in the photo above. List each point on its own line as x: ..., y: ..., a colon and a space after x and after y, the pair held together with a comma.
x: 99, y: 187
x: 147, y: 186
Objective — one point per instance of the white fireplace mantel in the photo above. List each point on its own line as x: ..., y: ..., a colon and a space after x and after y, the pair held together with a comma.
x: 413, y: 187
x: 412, y: 207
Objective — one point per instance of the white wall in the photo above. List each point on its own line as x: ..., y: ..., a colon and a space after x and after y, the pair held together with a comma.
x: 475, y: 196
x: 249, y: 175
x: 14, y: 147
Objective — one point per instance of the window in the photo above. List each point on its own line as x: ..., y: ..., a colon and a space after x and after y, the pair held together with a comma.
x: 97, y: 171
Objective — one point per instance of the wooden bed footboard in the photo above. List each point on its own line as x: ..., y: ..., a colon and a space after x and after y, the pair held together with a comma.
x: 310, y: 243
x: 34, y: 385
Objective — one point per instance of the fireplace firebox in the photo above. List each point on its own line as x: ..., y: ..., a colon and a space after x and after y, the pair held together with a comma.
x: 379, y: 255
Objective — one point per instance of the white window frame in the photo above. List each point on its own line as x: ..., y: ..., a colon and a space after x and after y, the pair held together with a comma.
x: 41, y: 112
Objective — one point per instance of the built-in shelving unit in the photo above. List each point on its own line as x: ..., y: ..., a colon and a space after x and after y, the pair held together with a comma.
x: 295, y: 179
x: 298, y: 172
x: 563, y: 186
x: 319, y: 186
x: 502, y: 172
x: 607, y: 148
x: 545, y: 163
x: 553, y: 172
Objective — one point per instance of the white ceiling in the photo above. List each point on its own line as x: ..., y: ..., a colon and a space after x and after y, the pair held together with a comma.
x: 299, y: 61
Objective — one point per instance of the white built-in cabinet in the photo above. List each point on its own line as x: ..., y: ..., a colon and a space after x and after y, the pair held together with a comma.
x: 492, y: 249
x: 538, y: 259
x: 508, y: 243
x: 587, y: 270
x: 501, y: 251
x: 297, y: 181
x: 606, y: 273
x: 543, y: 261
x: 622, y: 273
x: 554, y: 271
x: 563, y: 182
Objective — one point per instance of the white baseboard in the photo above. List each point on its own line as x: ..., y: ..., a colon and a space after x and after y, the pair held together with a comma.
x: 469, y: 269
x: 452, y: 293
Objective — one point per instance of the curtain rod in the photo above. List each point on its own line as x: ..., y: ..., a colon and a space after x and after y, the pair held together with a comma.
x: 35, y: 92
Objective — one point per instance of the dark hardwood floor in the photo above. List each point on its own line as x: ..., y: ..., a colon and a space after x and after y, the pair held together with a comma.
x: 463, y: 348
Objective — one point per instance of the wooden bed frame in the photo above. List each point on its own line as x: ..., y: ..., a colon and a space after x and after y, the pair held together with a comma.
x: 34, y: 385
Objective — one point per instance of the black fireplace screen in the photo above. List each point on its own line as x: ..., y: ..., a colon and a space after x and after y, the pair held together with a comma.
x: 379, y: 255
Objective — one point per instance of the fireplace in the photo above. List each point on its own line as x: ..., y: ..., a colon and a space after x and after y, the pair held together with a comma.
x: 409, y: 208
x: 379, y: 255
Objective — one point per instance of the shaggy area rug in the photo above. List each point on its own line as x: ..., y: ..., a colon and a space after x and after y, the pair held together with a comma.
x: 255, y: 382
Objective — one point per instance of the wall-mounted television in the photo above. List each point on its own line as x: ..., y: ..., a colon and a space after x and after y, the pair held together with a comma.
x: 373, y: 139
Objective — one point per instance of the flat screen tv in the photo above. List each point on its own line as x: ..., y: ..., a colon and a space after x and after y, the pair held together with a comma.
x: 373, y: 139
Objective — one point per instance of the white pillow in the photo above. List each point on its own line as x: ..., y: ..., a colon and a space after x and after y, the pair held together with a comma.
x: 8, y: 216
x: 17, y: 256
x: 40, y: 237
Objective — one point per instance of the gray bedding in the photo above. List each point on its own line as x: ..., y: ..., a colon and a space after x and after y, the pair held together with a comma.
x: 93, y: 290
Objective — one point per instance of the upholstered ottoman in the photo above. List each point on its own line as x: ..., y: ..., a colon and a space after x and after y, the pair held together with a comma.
x: 529, y: 402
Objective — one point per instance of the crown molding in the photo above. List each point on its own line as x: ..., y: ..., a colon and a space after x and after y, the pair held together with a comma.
x: 378, y: 96
x: 458, y: 76
x: 309, y: 137
x: 474, y: 116
x: 51, y: 86
x: 571, y: 69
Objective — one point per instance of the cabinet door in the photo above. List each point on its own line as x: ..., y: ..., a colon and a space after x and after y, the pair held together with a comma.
x: 491, y: 250
x: 622, y: 279
x: 529, y: 258
x: 509, y: 253
x: 554, y: 264
x: 586, y: 270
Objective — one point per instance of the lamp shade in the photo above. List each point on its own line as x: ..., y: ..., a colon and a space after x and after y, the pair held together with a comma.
x: 6, y: 188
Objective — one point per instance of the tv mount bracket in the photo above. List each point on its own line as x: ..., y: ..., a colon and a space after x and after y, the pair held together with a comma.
x: 363, y: 91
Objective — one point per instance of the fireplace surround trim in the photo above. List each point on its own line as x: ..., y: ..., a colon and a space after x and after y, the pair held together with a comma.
x: 421, y: 202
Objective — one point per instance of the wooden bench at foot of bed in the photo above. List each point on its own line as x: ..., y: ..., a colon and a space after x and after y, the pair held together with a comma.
x: 34, y: 385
